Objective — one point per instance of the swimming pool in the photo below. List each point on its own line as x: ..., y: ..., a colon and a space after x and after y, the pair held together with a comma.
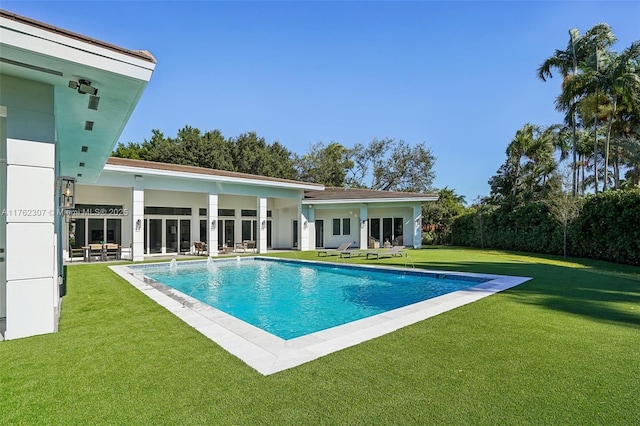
x: 289, y: 299
x: 267, y: 351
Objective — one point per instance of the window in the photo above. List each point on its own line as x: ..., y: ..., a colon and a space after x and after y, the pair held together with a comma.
x: 203, y: 230
x: 202, y: 212
x: 343, y: 225
x: 226, y: 212
x: 346, y: 226
x: 249, y: 230
x: 249, y: 213
x: 336, y: 227
x: 168, y: 211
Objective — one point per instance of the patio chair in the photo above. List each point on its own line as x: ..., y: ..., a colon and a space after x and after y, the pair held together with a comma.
x: 95, y: 250
x: 112, y: 250
x: 198, y: 247
x: 392, y: 252
x: 250, y: 245
x: 225, y: 249
x: 341, y: 248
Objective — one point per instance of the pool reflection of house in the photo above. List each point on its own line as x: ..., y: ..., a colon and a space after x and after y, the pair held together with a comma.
x: 64, y: 100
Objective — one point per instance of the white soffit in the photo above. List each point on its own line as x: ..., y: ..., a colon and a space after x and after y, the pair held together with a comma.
x: 370, y: 200
x: 212, y: 178
x: 36, y: 54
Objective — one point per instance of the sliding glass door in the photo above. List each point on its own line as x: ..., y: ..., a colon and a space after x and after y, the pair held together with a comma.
x: 387, y: 229
x: 154, y: 228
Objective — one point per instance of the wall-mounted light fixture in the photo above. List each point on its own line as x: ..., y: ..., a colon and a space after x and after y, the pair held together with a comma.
x: 263, y: 224
x: 67, y: 192
x: 138, y: 225
x: 83, y: 86
x: 363, y: 223
x: 213, y: 224
x: 306, y: 224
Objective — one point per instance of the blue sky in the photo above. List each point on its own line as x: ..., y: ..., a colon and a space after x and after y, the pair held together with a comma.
x: 459, y: 76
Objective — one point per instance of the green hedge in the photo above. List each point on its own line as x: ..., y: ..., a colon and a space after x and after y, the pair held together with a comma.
x: 608, y: 228
x: 529, y: 228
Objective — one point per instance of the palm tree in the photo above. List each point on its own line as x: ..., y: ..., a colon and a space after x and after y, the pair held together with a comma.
x: 567, y: 62
x: 621, y: 84
x: 611, y: 84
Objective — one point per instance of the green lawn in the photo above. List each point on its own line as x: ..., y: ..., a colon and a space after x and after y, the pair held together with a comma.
x: 563, y: 348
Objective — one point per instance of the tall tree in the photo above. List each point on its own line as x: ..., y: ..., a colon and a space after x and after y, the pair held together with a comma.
x: 530, y: 171
x: 622, y: 85
x: 567, y: 63
x: 326, y: 165
x: 392, y: 165
x: 439, y: 216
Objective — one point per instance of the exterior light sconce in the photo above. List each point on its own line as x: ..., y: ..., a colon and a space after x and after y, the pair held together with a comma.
x: 213, y: 224
x: 83, y: 87
x: 67, y: 194
x: 263, y: 224
x: 306, y: 224
x: 363, y: 223
x: 138, y: 225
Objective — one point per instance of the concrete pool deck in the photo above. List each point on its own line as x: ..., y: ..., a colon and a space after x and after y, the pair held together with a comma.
x: 270, y: 354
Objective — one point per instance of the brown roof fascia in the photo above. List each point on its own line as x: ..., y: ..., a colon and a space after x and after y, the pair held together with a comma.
x: 335, y: 193
x: 116, y: 161
x: 140, y: 54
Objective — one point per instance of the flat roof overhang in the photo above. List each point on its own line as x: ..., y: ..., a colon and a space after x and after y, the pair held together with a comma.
x: 34, y: 51
x: 256, y: 181
x: 382, y: 200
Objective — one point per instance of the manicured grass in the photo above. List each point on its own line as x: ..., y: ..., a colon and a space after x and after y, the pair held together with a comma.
x: 563, y: 348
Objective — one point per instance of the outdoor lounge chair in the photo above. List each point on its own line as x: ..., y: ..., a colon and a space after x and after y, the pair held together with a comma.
x: 341, y: 249
x: 353, y: 252
x: 392, y: 252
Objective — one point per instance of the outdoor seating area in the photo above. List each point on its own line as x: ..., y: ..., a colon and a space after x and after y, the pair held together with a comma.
x: 200, y: 248
x: 391, y: 251
x: 98, y: 252
x: 338, y: 251
x: 246, y: 247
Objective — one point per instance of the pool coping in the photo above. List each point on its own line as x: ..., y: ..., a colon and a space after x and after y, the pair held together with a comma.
x: 270, y: 354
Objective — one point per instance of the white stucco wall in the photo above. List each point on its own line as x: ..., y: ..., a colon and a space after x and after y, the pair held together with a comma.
x: 359, y: 233
x: 31, y: 272
x: 30, y: 109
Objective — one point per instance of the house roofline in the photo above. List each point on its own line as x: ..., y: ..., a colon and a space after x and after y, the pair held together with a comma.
x: 139, y: 54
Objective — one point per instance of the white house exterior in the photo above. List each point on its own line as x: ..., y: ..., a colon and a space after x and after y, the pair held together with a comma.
x: 64, y: 100
x: 159, y: 209
x: 47, y: 130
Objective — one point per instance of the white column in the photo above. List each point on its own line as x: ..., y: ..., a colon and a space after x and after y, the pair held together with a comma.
x: 262, y: 225
x: 311, y: 230
x: 194, y: 227
x: 303, y: 228
x: 137, y: 216
x: 3, y: 205
x: 213, y: 223
x: 364, y: 221
x: 30, y: 251
x: 417, y: 226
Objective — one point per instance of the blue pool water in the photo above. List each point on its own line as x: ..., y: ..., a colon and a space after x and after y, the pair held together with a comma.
x: 291, y: 299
